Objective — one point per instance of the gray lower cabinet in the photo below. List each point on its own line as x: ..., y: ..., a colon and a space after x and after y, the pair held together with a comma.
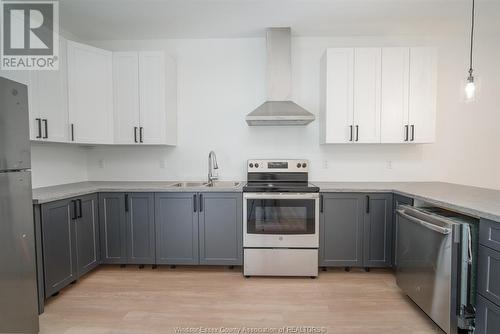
x: 127, y: 228
x: 356, y: 230
x: 176, y: 219
x: 112, y: 222
x: 341, y: 230
x: 70, y: 237
x: 377, y: 230
x: 220, y: 228
x: 140, y: 208
x: 87, y: 234
x: 59, y: 245
x: 487, y: 317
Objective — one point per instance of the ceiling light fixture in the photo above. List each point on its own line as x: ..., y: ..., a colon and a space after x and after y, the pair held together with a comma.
x: 470, y: 86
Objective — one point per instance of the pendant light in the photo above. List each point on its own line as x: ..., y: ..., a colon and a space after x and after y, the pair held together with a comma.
x: 470, y: 86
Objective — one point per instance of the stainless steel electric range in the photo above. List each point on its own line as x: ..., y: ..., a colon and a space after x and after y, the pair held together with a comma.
x: 280, y: 219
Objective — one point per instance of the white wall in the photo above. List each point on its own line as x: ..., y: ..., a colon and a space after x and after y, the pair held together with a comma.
x: 57, y: 163
x: 219, y: 82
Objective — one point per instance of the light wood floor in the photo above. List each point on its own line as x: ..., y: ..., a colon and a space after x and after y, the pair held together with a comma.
x: 131, y: 300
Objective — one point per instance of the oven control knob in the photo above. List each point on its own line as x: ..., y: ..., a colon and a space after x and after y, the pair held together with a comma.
x: 304, y: 165
x: 251, y: 165
x: 298, y: 165
x: 256, y: 165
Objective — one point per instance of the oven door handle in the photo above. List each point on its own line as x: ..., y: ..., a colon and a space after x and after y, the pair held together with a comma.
x: 281, y: 196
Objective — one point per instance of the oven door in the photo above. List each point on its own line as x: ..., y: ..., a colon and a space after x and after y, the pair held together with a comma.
x: 281, y: 220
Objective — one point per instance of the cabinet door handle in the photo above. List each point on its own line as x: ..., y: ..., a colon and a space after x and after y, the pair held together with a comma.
x: 72, y: 132
x: 46, y: 127
x: 201, y: 202
x: 321, y: 204
x: 367, y: 204
x: 74, y: 213
x: 126, y: 203
x: 80, y: 213
x: 195, y: 203
x: 135, y: 134
x: 351, y: 137
x: 39, y: 123
x: 406, y: 132
x: 357, y: 132
x: 412, y: 132
x: 141, y: 132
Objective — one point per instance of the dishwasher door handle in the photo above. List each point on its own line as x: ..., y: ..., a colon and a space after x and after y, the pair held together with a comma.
x: 430, y: 226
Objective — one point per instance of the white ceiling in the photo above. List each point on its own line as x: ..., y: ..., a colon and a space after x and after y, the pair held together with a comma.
x: 151, y: 19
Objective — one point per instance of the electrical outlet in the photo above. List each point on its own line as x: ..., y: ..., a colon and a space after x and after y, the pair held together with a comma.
x: 325, y: 164
x: 163, y: 164
x: 389, y: 164
x: 101, y: 163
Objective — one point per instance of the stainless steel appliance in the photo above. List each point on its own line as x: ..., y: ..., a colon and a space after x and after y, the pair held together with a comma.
x: 18, y: 290
x: 279, y: 110
x: 280, y: 219
x: 436, y: 264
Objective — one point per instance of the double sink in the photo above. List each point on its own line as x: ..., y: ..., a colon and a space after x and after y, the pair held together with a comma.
x: 216, y: 184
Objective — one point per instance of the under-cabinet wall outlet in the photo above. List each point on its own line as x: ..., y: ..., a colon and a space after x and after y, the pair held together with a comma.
x: 101, y: 163
x: 325, y: 164
x: 163, y: 163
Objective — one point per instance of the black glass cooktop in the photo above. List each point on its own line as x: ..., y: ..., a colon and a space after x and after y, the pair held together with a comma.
x: 283, y: 187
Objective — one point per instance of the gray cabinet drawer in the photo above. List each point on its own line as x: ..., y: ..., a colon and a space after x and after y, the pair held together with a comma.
x: 489, y: 274
x: 487, y: 317
x: 489, y: 234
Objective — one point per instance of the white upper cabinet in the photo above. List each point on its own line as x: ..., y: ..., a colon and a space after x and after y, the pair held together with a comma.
x: 49, y: 102
x: 395, y: 94
x: 423, y: 85
x: 336, y: 112
x: 145, y: 98
x: 350, y: 110
x: 367, y: 68
x: 90, y: 94
x: 378, y: 95
x: 126, y: 97
x: 152, y: 97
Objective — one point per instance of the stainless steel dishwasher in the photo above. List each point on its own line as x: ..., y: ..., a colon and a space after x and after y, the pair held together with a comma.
x: 436, y: 264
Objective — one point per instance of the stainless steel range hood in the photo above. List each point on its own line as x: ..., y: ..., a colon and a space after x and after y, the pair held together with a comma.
x: 278, y: 109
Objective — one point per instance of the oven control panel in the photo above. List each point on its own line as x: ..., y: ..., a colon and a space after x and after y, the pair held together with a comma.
x: 270, y: 166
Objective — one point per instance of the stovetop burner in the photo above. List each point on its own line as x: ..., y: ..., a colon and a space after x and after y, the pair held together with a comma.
x: 278, y: 176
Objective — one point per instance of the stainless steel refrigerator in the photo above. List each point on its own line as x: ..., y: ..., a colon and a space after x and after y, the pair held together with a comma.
x: 18, y: 285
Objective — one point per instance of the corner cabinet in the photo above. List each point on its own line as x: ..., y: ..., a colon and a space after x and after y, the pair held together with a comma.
x: 145, y: 102
x: 378, y: 95
x: 90, y: 94
x: 70, y: 238
x: 356, y: 230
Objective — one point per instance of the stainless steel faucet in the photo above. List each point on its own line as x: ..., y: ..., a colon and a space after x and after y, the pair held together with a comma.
x: 212, y: 168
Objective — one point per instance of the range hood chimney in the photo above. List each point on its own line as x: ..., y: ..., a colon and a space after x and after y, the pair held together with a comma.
x: 278, y: 109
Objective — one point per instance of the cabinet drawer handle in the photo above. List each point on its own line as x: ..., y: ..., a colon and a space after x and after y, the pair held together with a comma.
x: 195, y: 203
x: 367, y: 204
x: 74, y: 215
x: 321, y: 204
x: 406, y: 132
x: 141, y: 132
x: 46, y: 127
x: 135, y: 134
x: 39, y: 123
x: 72, y: 132
x: 201, y: 202
x: 357, y: 132
x: 80, y: 214
x: 126, y: 203
x: 413, y: 132
x: 351, y: 137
